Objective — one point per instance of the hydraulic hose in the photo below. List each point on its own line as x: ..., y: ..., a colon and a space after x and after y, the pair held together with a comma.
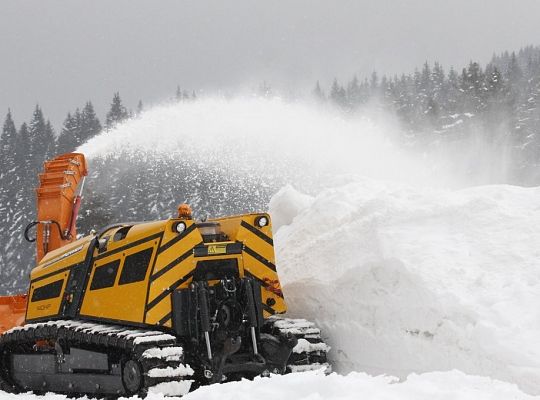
x: 34, y: 223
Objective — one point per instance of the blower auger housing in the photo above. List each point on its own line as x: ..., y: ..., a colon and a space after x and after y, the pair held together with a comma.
x: 155, y: 306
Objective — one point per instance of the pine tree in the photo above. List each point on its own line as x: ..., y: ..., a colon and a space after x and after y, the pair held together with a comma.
x: 318, y: 93
x: 117, y: 114
x: 453, y: 92
x: 374, y: 84
x: 8, y: 170
x: 178, y: 95
x: 50, y: 135
x: 89, y: 125
x: 337, y: 94
x: 69, y: 136
x: 22, y: 149
x: 140, y: 108
x: 353, y: 93
x: 8, y: 141
x: 42, y: 140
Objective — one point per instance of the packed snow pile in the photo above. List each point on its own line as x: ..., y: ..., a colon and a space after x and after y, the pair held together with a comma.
x: 408, y: 280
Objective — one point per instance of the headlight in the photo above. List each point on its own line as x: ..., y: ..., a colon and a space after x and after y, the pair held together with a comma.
x: 261, y: 221
x: 179, y: 227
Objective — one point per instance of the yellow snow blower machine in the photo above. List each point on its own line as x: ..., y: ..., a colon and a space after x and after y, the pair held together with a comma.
x: 162, y: 306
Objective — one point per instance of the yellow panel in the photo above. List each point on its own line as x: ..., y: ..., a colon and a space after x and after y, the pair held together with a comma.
x: 262, y: 272
x: 174, y: 262
x: 62, y: 258
x: 178, y: 249
x: 159, y: 299
x: 49, y: 307
x: 159, y: 311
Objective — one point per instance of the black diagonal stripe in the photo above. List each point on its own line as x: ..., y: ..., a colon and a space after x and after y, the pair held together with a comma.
x: 261, y: 282
x: 171, y: 265
x: 257, y: 232
x: 168, y: 291
x: 164, y: 320
x: 268, y: 309
x: 176, y: 239
x: 260, y: 258
x: 128, y: 246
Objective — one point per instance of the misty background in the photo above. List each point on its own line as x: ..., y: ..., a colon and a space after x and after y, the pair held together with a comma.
x: 240, y: 99
x: 64, y: 53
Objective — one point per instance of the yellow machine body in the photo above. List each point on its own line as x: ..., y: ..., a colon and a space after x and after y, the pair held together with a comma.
x: 128, y: 273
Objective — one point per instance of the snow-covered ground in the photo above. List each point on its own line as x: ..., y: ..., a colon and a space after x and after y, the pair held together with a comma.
x: 315, y: 386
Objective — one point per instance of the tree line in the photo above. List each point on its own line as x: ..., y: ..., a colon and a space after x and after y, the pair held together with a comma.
x: 500, y: 102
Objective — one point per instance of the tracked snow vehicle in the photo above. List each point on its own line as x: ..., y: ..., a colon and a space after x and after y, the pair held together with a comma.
x: 160, y: 306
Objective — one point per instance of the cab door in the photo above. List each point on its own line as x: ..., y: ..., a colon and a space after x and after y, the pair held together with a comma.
x: 118, y: 285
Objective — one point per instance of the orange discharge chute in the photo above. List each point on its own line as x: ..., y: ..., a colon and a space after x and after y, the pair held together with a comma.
x: 58, y: 202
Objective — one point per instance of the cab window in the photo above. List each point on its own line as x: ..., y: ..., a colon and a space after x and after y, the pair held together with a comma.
x: 50, y: 291
x: 105, y: 275
x: 135, y: 267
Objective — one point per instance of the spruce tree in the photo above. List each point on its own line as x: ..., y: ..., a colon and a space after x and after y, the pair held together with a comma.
x: 318, y: 93
x: 8, y: 141
x: 337, y: 94
x: 140, y: 108
x: 8, y: 170
x: 22, y: 149
x: 42, y: 140
x: 117, y: 113
x: 353, y: 93
x: 68, y: 139
x: 89, y: 125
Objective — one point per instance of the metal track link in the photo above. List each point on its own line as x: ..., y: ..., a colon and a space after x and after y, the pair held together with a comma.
x: 311, y: 352
x: 155, y: 357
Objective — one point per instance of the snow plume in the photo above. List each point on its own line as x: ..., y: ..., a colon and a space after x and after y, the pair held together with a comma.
x: 268, y: 137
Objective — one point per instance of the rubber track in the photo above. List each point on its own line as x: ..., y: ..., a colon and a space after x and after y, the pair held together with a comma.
x: 303, y: 330
x: 114, y: 338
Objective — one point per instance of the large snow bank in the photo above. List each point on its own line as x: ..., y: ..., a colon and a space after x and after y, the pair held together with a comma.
x: 410, y: 280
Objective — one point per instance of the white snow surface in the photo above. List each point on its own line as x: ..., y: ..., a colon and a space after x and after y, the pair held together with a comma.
x: 314, y: 385
x: 405, y: 280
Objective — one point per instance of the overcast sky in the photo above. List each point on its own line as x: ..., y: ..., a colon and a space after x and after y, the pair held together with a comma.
x: 61, y: 53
